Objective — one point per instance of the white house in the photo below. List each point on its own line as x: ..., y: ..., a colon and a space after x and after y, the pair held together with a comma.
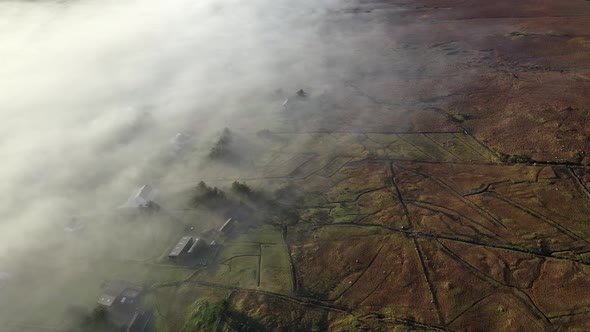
x: 142, y: 197
x: 180, y: 141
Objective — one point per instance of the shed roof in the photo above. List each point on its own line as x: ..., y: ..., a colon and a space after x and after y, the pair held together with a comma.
x: 139, y: 322
x: 116, y: 289
x: 226, y: 225
x: 184, y: 242
x: 142, y: 196
x: 106, y: 299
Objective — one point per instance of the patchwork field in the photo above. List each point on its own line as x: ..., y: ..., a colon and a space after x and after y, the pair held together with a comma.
x: 441, y: 184
x: 256, y: 260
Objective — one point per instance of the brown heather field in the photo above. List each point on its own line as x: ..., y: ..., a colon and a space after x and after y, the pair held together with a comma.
x: 444, y: 187
x: 447, y: 187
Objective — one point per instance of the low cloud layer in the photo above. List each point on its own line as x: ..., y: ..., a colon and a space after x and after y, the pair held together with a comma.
x: 92, y: 92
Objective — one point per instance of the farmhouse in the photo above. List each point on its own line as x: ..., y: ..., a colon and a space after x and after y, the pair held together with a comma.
x: 182, y: 247
x: 143, y: 198
x: 179, y: 142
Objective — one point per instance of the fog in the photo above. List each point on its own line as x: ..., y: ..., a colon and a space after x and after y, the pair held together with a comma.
x: 93, y: 92
x: 90, y: 91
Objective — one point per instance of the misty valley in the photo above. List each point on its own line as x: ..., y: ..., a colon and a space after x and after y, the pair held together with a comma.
x: 334, y: 165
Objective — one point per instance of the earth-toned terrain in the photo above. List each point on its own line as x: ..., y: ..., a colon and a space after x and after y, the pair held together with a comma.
x: 444, y: 186
x: 447, y: 186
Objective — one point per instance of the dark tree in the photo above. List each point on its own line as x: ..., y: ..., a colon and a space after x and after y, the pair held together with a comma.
x: 221, y: 147
x: 210, y: 197
x: 241, y: 189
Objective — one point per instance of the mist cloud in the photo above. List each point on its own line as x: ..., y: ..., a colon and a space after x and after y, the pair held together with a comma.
x: 93, y: 91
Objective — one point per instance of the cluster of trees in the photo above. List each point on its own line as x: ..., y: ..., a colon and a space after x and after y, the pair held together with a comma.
x: 209, y: 197
x: 241, y: 189
x: 277, y: 207
x: 222, y: 146
x: 282, y: 206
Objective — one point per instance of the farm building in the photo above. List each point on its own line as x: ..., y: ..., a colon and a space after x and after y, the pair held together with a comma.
x: 143, y: 198
x: 179, y: 142
x: 119, y: 294
x: 122, y: 300
x: 182, y: 247
x: 197, y: 247
x: 227, y: 226
x: 139, y: 322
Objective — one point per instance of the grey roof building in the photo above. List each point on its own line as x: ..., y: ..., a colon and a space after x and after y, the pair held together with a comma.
x: 144, y: 195
x: 139, y: 322
x: 181, y: 247
x: 119, y: 293
x: 197, y: 246
x: 122, y: 300
x: 226, y: 227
